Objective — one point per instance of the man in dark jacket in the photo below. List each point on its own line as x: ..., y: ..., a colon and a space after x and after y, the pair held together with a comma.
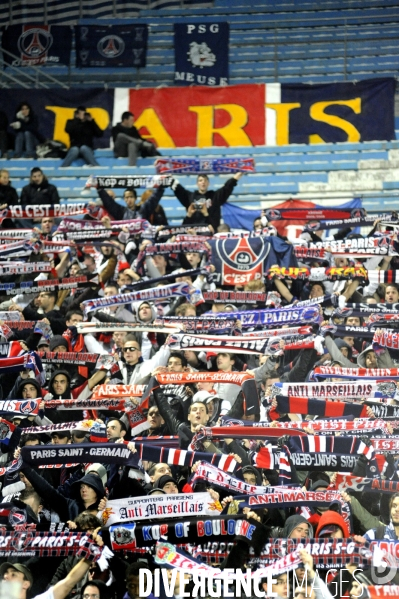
x: 128, y: 141
x: 81, y: 130
x: 131, y: 210
x: 39, y: 190
x: 203, y: 206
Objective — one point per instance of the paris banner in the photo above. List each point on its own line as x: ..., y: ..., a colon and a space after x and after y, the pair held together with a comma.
x: 111, y: 46
x: 201, y: 53
x: 253, y: 114
x: 37, y: 45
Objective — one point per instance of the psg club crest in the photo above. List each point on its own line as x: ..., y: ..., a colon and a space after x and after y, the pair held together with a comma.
x: 34, y: 43
x: 111, y: 46
x: 241, y: 260
x: 37, y: 44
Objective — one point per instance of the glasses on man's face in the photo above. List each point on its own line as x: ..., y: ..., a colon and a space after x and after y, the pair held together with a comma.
x: 91, y: 596
x: 125, y: 349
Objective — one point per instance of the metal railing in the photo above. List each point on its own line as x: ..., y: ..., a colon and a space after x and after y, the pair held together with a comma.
x: 23, y: 73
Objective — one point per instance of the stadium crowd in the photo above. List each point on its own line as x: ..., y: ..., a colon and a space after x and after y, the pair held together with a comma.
x: 157, y: 411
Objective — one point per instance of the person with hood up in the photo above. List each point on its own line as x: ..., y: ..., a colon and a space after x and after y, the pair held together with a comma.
x: 87, y: 494
x: 333, y: 526
x: 317, y: 511
x: 145, y: 313
x: 252, y: 475
x: 60, y: 388
x: 29, y: 389
x: 340, y: 351
x: 369, y: 358
x: 297, y: 527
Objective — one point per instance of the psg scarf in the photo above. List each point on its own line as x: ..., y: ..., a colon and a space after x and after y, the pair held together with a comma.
x: 159, y: 507
x: 360, y: 309
x: 192, y: 272
x: 387, y: 339
x: 204, y: 165
x: 121, y: 182
x: 319, y: 407
x: 44, y: 210
x: 169, y: 556
x: 249, y: 318
x: 96, y: 430
x: 349, y: 424
x: 309, y: 253
x: 18, y: 268
x: 347, y: 331
x: 356, y: 389
x: 167, y: 232
x: 169, y: 249
x: 135, y: 226
x: 243, y: 379
x: 216, y: 477
x: 330, y: 273
x: 44, y: 285
x: 364, y: 247
x: 235, y: 297
x: 101, y: 361
x: 120, y: 405
x: 384, y: 374
x: 361, y: 221
x: 119, y: 391
x: 49, y: 544
x: 238, y: 345
x: 82, y: 453
x: 285, y: 498
x: 159, y: 293
x: 330, y: 444
x: 195, y: 324
x: 344, y: 482
x: 130, y: 535
x: 326, y: 553
x: 128, y: 327
x: 182, y: 457
x: 383, y: 319
x: 28, y: 407
x: 313, y: 213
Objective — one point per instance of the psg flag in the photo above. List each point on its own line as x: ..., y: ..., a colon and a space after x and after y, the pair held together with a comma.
x: 37, y: 45
x: 202, y: 54
x: 111, y: 46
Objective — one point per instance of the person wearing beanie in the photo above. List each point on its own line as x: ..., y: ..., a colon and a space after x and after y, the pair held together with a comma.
x: 99, y: 470
x: 58, y: 343
x: 317, y: 511
x: 167, y: 484
x: 251, y: 475
x: 332, y: 525
x: 297, y: 527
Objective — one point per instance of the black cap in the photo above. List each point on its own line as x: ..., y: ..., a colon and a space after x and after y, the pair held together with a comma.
x: 164, y: 480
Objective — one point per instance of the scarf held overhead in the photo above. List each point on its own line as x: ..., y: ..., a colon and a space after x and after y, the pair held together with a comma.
x: 177, y: 289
